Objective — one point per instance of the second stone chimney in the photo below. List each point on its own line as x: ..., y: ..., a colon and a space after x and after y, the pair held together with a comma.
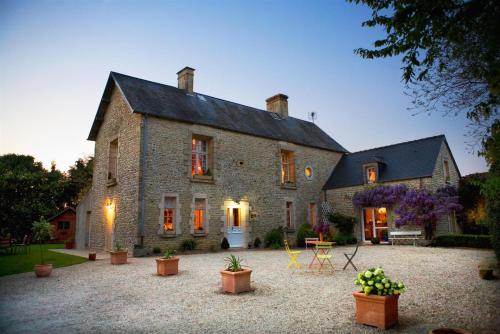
x: 278, y: 104
x: 185, y: 79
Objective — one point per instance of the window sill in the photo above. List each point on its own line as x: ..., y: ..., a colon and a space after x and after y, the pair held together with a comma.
x: 288, y: 186
x: 167, y: 235
x: 111, y: 182
x: 203, y: 179
x: 199, y: 234
x: 290, y: 230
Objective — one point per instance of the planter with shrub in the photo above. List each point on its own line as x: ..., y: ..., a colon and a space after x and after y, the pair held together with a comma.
x: 41, y: 233
x: 235, y: 278
x: 377, y: 302
x: 168, y: 264
x: 257, y: 242
x: 118, y: 255
x: 375, y: 241
x: 156, y: 250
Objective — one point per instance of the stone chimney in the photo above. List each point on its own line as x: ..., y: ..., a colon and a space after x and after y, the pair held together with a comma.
x: 278, y: 104
x: 185, y: 79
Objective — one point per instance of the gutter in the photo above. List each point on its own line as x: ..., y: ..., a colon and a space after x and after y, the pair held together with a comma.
x: 142, y: 177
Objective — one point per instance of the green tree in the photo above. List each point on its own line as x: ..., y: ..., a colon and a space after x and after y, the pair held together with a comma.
x: 78, y: 180
x: 450, y: 50
x: 27, y: 192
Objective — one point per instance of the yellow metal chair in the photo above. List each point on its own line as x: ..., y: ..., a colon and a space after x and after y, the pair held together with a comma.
x: 323, y: 255
x: 293, y: 256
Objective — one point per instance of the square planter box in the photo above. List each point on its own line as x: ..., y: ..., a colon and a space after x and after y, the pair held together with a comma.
x: 378, y: 311
x: 165, y: 267
x: 119, y: 257
x: 236, y: 282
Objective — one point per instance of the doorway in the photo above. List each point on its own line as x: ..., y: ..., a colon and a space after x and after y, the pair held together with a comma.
x: 235, y: 216
x: 374, y: 222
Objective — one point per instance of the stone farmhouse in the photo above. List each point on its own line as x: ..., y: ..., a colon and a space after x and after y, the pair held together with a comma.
x: 172, y: 164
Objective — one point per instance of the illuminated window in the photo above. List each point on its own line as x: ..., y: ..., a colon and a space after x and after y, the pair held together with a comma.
x: 308, y: 172
x: 199, y: 214
x: 312, y: 214
x: 287, y: 167
x: 113, y: 159
x: 446, y: 167
x: 200, y: 156
x: 289, y: 215
x: 63, y: 225
x: 371, y: 175
x: 169, y: 214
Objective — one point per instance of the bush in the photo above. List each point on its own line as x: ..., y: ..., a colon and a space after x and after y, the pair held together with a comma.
x: 463, y: 240
x: 375, y: 241
x: 275, y: 236
x: 305, y: 231
x: 374, y: 282
x: 257, y: 242
x: 275, y: 246
x: 342, y: 240
x: 188, y: 244
x: 345, y: 224
x: 156, y: 250
x: 224, y: 244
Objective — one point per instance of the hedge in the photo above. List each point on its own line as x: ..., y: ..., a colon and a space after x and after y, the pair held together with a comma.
x: 463, y: 240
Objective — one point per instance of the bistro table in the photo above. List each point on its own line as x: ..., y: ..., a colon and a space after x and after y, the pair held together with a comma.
x: 316, y: 251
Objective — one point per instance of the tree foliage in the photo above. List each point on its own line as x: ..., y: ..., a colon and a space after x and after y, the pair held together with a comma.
x: 450, y: 51
x: 28, y: 191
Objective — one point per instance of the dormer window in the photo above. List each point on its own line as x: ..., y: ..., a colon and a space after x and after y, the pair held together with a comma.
x: 371, y: 175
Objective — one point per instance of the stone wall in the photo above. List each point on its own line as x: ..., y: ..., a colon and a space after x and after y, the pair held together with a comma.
x: 245, y: 168
x: 340, y: 199
x: 121, y: 216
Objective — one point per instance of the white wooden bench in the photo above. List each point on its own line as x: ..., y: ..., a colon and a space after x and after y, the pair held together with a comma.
x: 404, y: 235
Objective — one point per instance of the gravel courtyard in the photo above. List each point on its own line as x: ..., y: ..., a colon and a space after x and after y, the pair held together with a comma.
x: 443, y: 290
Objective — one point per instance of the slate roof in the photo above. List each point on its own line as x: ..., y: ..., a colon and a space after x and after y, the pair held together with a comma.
x: 408, y: 160
x: 155, y: 99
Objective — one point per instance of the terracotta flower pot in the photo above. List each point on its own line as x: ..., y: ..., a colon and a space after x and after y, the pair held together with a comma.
x: 166, y: 267
x: 236, y: 282
x: 43, y: 270
x: 378, y: 311
x: 92, y: 256
x: 119, y: 257
x: 449, y: 331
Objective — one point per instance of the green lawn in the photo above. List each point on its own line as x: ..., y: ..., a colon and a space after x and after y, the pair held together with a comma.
x: 20, y: 263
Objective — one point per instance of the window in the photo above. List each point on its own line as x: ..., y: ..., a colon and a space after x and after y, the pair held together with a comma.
x: 287, y: 167
x: 446, y: 168
x: 312, y: 214
x: 308, y: 172
x: 200, y: 157
x: 113, y: 160
x: 199, y: 214
x: 169, y: 214
x: 63, y: 225
x: 371, y: 175
x: 289, y: 215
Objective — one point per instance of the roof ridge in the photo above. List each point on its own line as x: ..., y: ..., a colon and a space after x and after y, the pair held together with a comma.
x: 401, y: 143
x: 210, y: 96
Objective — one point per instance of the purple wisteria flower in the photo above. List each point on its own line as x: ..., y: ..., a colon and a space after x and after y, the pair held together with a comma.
x: 381, y: 196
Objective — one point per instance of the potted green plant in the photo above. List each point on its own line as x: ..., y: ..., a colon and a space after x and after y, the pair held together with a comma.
x: 377, y: 302
x: 41, y: 233
x: 235, y: 278
x: 168, y: 264
x: 69, y: 243
x: 118, y: 254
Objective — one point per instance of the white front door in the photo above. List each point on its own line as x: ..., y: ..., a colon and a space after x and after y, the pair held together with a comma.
x: 235, y: 235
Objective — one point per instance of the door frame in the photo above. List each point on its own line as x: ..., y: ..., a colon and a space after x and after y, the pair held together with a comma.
x: 243, y: 207
x: 374, y: 225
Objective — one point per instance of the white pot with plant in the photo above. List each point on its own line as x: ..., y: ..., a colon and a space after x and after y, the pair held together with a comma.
x: 41, y: 233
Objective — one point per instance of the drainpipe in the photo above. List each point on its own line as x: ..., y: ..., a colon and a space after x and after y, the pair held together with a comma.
x: 142, y: 177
